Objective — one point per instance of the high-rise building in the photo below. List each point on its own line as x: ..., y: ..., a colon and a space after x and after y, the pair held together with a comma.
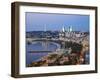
x: 70, y: 29
x: 63, y: 29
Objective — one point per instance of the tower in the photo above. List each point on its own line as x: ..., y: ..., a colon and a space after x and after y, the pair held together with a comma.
x: 70, y: 29
x: 63, y: 29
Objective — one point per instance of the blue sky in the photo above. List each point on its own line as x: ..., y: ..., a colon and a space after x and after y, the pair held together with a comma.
x: 37, y: 21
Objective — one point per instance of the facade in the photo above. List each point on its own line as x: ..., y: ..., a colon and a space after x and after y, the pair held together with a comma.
x: 74, y: 36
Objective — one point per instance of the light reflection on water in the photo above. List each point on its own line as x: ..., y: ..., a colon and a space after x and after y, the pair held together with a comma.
x: 39, y: 46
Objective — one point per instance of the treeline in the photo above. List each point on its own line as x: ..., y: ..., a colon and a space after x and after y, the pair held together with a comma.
x: 76, y: 48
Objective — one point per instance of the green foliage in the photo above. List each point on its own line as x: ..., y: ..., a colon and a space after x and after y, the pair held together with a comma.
x: 76, y: 48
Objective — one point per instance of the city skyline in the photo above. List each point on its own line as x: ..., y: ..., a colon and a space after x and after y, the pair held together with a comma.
x: 55, y: 22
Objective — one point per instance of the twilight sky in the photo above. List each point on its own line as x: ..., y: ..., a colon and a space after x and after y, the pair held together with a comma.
x: 38, y: 21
